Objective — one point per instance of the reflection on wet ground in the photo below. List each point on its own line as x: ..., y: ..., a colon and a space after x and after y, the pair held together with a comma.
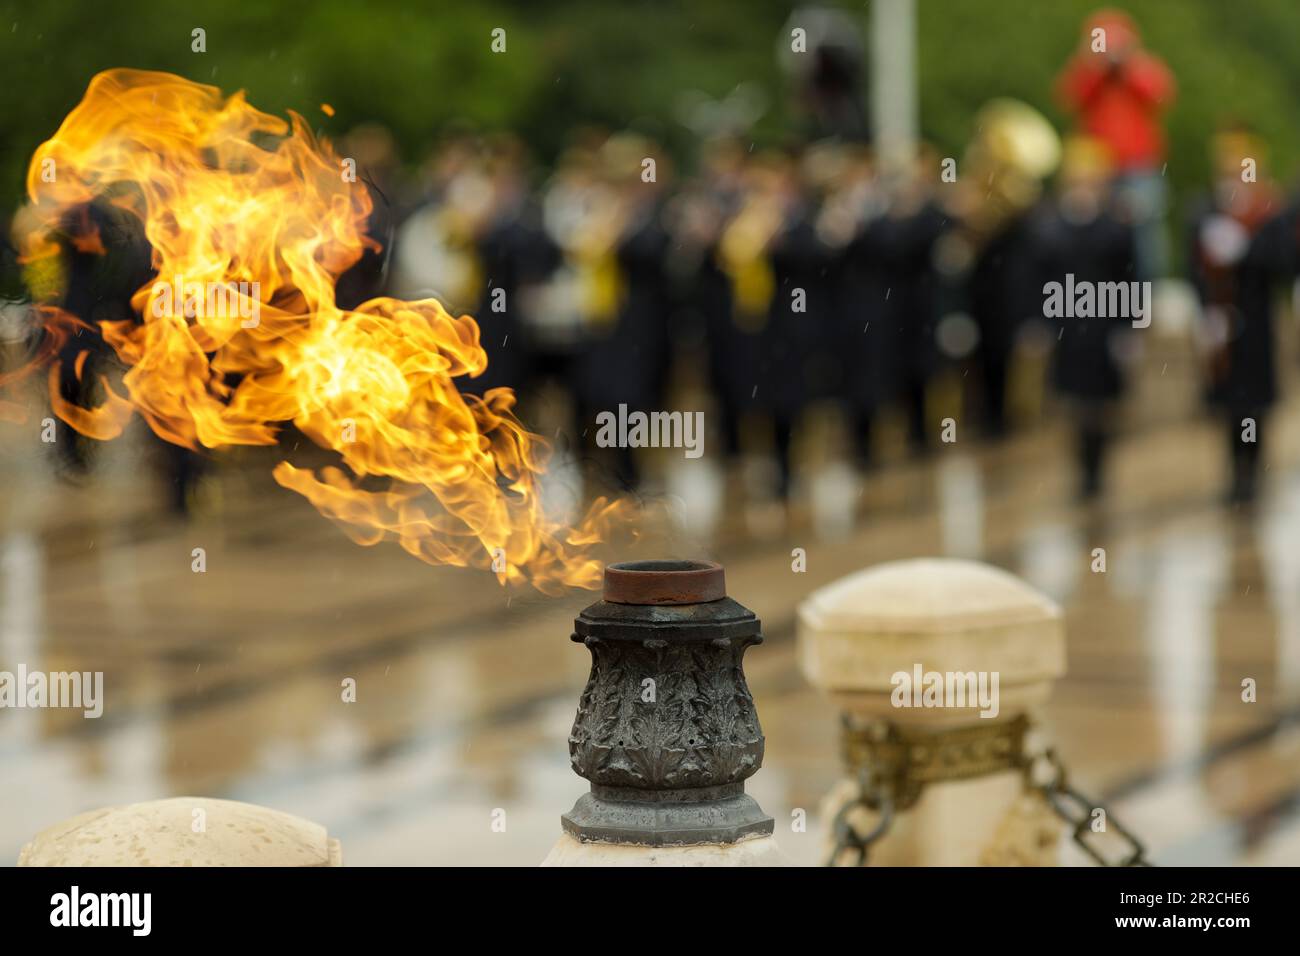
x: 227, y: 683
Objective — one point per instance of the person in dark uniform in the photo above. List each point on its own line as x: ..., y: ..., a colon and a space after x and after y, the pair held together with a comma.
x: 1078, y: 235
x: 792, y: 335
x: 699, y: 214
x: 987, y: 257
x: 107, y: 258
x: 1239, y: 248
x: 914, y: 224
x: 782, y: 295
x: 1250, y: 381
x: 866, y: 326
x: 515, y: 256
x: 887, y: 307
x: 1002, y: 293
x: 625, y: 360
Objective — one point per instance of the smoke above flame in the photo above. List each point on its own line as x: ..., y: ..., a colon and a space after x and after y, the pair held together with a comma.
x: 235, y: 199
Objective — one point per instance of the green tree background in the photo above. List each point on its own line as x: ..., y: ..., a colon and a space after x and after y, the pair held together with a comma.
x: 419, y: 66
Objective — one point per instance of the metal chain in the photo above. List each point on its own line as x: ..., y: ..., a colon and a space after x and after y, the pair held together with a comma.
x: 1076, y: 809
x: 874, y: 795
x: 1044, y: 773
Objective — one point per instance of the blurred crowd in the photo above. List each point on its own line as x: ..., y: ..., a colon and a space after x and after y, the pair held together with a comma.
x: 824, y: 273
x: 766, y: 282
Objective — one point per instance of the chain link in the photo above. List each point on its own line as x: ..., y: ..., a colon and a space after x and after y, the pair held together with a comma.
x: 873, y: 795
x: 1076, y: 809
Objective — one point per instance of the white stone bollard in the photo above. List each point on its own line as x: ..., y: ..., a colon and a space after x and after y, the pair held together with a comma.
x: 183, y: 831
x: 937, y: 666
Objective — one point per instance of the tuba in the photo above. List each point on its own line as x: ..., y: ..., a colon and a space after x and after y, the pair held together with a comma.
x: 1015, y: 148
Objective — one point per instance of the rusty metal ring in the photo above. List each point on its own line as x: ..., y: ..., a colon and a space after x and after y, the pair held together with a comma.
x: 664, y: 582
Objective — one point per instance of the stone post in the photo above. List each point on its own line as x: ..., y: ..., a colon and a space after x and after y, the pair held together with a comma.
x: 943, y: 761
x: 666, y: 730
x: 183, y: 831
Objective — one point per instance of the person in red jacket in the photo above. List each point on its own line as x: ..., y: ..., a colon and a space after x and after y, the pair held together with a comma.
x: 1118, y: 91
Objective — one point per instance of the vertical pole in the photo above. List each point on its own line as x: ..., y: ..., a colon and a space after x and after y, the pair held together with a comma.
x: 894, y: 108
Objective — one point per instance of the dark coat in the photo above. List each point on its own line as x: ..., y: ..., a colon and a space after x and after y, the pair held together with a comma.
x: 887, y: 307
x: 707, y: 296
x: 1250, y: 380
x: 514, y: 253
x: 628, y: 362
x: 1084, y: 364
x: 867, y: 330
x: 1004, y: 288
x: 913, y: 302
x: 1217, y: 281
x: 99, y: 289
x: 793, y: 346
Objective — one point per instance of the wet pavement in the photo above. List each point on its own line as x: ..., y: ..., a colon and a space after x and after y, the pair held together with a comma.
x: 228, y: 683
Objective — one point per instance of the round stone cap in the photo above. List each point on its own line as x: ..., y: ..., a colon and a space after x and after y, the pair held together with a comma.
x: 168, y: 833
x: 940, y: 613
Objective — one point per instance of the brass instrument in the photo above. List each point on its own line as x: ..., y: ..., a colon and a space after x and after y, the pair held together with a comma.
x: 742, y: 250
x: 587, y: 212
x: 1015, y: 148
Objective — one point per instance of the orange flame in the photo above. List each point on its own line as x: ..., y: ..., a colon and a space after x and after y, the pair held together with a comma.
x: 252, y: 220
